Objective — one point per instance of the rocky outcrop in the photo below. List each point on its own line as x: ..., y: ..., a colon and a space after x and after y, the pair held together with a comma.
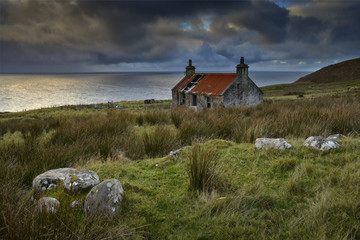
x: 47, y: 204
x: 321, y: 143
x: 336, y: 137
x: 175, y: 154
x: 72, y: 179
x: 272, y: 143
x: 104, y: 199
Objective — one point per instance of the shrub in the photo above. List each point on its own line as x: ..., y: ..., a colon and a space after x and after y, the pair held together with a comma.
x: 132, y: 146
x: 156, y: 117
x: 192, y: 130
x: 177, y: 116
x: 158, y: 142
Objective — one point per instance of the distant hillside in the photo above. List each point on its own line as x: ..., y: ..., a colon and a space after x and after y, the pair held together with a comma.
x: 345, y: 71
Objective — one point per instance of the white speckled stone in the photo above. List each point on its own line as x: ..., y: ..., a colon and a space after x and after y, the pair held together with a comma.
x: 272, y: 143
x: 321, y: 143
x: 336, y: 137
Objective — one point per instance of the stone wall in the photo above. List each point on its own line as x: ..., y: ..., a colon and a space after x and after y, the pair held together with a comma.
x: 201, y: 100
x: 175, y: 101
x: 242, y: 93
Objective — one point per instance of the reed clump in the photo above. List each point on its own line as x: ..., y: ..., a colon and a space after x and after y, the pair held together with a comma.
x: 159, y: 141
x: 202, y: 169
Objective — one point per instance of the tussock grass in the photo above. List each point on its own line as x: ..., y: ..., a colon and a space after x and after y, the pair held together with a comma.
x: 202, y: 169
x: 321, y: 116
x: 241, y: 192
x: 159, y: 141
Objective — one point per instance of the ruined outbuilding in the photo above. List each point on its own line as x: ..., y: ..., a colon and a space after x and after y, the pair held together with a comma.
x: 207, y: 90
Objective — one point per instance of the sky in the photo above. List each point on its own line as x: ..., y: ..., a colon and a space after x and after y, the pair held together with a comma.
x: 114, y: 35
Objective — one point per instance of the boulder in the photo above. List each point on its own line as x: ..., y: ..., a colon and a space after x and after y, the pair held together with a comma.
x: 81, y: 181
x: 74, y: 181
x: 272, y: 143
x: 321, y: 143
x: 47, y: 204
x: 336, y: 137
x: 175, y: 154
x: 104, y: 199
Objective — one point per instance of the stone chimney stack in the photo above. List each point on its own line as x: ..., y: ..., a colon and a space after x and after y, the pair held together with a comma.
x: 242, y: 69
x: 190, y: 70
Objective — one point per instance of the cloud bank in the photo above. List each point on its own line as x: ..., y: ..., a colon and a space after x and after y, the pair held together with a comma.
x: 102, y: 35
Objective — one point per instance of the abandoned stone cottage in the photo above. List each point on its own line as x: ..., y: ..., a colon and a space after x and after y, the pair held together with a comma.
x: 206, y: 90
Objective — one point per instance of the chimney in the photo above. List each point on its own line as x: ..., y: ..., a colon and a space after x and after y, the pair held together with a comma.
x: 242, y: 69
x: 190, y: 70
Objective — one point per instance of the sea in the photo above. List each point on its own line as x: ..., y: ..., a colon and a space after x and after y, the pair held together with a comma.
x: 22, y: 92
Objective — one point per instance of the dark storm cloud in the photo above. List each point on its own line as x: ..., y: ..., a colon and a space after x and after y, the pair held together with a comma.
x: 267, y: 18
x: 106, y: 33
x: 308, y: 29
x: 334, y: 25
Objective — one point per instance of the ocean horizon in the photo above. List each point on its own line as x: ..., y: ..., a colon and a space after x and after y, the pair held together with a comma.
x: 28, y: 91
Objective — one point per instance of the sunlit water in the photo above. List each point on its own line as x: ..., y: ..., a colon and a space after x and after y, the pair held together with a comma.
x: 25, y: 92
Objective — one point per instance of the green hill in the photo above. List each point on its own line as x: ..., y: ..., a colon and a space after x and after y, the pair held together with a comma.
x: 336, y: 79
x: 344, y: 71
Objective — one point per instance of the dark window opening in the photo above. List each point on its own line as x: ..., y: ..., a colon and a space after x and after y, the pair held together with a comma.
x: 182, y: 98
x: 238, y: 86
x: 194, y: 81
x: 208, y: 103
x: 194, y: 100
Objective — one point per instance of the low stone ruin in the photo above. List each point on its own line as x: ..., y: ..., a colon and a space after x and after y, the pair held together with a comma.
x: 103, y: 199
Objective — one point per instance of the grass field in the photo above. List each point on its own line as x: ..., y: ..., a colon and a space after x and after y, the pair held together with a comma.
x: 310, y: 90
x: 220, y: 188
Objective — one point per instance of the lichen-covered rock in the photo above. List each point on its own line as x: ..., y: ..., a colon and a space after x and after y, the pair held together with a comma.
x: 104, y: 199
x: 175, y: 154
x: 74, y: 181
x: 48, y: 204
x: 336, y: 137
x: 75, y: 203
x: 320, y: 143
x: 272, y: 143
x: 81, y: 181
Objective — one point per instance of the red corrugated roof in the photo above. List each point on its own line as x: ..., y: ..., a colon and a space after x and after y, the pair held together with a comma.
x: 184, y: 82
x: 211, y: 84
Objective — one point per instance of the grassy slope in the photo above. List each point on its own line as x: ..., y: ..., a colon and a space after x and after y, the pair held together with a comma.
x: 294, y: 194
x: 341, y: 72
x: 339, y: 78
x: 309, y: 89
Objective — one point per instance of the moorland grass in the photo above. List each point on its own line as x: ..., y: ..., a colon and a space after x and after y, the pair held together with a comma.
x: 293, y: 194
